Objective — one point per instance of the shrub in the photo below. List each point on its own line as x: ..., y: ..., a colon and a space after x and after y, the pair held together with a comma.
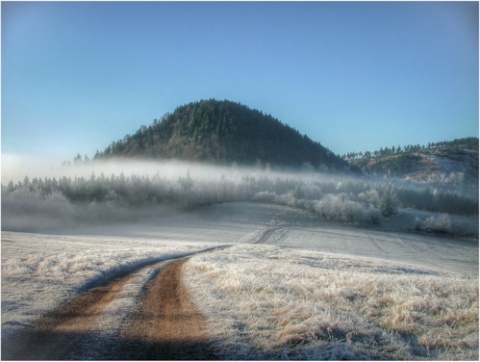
x: 441, y: 223
x: 341, y: 208
x: 388, y: 203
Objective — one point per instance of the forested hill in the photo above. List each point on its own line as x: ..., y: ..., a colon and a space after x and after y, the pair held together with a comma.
x: 447, y: 162
x: 225, y: 132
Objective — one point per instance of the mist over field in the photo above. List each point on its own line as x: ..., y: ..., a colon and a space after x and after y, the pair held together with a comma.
x: 120, y: 190
x: 413, y: 248
x: 275, y: 212
x: 16, y: 167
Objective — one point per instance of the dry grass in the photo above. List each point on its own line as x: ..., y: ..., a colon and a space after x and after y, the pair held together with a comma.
x: 271, y: 303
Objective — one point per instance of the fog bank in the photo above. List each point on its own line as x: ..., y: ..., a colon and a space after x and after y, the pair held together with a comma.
x: 122, y: 190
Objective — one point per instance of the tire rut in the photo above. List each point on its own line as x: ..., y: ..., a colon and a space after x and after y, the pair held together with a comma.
x: 167, y: 321
x: 161, y: 322
x: 267, y: 235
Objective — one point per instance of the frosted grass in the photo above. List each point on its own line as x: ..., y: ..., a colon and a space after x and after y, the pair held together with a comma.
x: 41, y: 271
x: 264, y: 302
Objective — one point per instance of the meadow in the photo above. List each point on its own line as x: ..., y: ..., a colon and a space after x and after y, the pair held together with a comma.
x: 311, y: 269
x: 266, y: 302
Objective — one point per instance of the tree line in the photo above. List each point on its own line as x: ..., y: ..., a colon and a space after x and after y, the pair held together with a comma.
x: 348, y: 200
x: 451, y: 146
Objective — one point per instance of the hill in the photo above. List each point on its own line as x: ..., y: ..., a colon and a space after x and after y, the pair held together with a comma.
x: 452, y: 163
x: 224, y: 132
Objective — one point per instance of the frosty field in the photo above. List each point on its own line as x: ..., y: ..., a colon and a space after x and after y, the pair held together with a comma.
x: 311, y: 290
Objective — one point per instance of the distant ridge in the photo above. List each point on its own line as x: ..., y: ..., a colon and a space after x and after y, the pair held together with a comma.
x: 449, y: 162
x: 225, y: 132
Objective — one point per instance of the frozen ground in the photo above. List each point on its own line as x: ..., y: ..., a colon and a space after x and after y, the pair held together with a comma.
x: 244, y: 222
x: 265, y: 302
x: 41, y: 270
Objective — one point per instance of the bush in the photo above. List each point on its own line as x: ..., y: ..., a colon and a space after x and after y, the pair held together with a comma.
x: 441, y: 223
x: 388, y: 203
x: 341, y: 208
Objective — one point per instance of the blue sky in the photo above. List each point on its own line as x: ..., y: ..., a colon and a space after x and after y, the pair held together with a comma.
x: 353, y: 76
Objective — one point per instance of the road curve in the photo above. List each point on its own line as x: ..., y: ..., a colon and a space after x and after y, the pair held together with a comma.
x: 167, y: 325
x: 147, y: 314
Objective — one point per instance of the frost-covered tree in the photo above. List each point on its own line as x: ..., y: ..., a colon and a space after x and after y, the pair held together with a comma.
x: 388, y: 202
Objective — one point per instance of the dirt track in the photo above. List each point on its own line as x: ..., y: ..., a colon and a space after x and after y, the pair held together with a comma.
x: 165, y: 324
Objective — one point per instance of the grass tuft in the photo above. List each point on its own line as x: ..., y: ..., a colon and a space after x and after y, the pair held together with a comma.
x: 299, y: 304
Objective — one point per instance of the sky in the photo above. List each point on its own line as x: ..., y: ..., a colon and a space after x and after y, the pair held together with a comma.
x: 354, y: 76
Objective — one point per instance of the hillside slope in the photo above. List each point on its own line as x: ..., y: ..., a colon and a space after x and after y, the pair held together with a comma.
x: 225, y: 132
x: 453, y: 163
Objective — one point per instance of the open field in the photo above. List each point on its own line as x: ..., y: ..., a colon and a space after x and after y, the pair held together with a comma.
x: 265, y: 302
x: 244, y: 222
x: 311, y: 290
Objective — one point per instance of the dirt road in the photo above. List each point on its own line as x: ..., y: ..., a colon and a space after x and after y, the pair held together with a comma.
x: 167, y: 324
x: 119, y: 320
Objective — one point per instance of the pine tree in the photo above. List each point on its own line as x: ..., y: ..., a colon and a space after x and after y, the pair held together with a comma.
x: 388, y: 202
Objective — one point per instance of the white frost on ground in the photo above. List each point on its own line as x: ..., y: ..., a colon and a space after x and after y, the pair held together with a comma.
x: 266, y: 302
x: 335, y: 300
x: 244, y: 222
x: 421, y: 250
x: 41, y: 271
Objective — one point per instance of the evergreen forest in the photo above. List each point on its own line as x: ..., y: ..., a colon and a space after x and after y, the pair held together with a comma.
x: 225, y: 132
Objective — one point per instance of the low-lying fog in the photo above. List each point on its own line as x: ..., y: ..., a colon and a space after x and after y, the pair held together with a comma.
x: 16, y: 167
x: 286, y: 232
x: 36, y: 194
